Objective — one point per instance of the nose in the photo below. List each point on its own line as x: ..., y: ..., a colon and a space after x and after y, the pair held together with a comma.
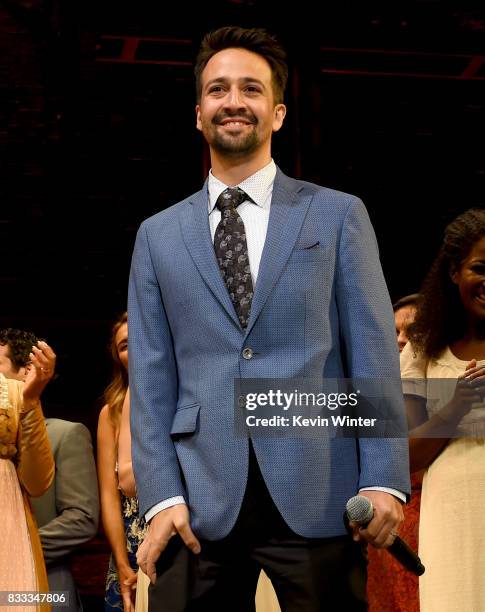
x: 234, y: 100
x: 402, y: 339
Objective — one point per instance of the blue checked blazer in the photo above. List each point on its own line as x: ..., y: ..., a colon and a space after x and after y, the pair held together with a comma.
x: 320, y: 308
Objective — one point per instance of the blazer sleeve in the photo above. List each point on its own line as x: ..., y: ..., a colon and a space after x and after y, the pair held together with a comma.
x: 35, y: 467
x: 369, y: 346
x: 153, y: 383
x: 76, y: 494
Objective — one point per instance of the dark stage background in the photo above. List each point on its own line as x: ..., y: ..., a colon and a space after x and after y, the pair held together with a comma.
x: 97, y: 132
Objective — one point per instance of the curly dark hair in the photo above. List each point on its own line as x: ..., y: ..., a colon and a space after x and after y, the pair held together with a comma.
x: 19, y: 344
x: 440, y: 317
x: 256, y: 40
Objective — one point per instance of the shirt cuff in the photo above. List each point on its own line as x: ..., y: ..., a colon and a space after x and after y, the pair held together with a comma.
x: 163, y: 505
x: 398, y: 494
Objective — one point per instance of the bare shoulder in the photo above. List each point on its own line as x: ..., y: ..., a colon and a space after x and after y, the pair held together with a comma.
x: 106, y: 427
x: 104, y: 414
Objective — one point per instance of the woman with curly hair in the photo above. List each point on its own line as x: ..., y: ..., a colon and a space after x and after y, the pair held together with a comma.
x: 122, y: 524
x: 447, y: 437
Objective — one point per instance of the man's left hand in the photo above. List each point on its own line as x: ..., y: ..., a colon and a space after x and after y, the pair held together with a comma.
x: 388, y: 516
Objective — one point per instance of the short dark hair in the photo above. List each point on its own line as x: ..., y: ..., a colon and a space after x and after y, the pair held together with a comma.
x: 256, y: 40
x: 408, y: 300
x: 19, y: 344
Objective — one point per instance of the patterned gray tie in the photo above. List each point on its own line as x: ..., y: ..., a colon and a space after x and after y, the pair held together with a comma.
x: 232, y: 252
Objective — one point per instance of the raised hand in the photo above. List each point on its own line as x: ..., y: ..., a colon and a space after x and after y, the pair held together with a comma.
x: 467, y: 391
x: 40, y: 371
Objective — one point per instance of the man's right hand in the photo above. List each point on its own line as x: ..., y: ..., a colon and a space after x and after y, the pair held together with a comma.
x: 163, y: 526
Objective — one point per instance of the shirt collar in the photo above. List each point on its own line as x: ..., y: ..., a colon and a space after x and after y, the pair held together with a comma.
x: 258, y: 186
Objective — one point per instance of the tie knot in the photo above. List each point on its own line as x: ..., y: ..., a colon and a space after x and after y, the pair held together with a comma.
x: 231, y: 197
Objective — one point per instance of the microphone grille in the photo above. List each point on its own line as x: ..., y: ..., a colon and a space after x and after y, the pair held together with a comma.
x: 359, y: 509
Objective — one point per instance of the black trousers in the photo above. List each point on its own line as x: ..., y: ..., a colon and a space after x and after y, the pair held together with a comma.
x: 308, y: 575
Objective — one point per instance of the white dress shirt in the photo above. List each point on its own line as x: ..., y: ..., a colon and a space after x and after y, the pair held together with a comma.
x: 255, y: 215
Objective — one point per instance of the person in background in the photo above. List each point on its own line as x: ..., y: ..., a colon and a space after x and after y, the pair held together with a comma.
x: 67, y: 513
x: 447, y: 435
x: 126, y: 477
x: 119, y: 513
x: 404, y: 313
x: 26, y: 462
x: 127, y: 484
x: 390, y: 588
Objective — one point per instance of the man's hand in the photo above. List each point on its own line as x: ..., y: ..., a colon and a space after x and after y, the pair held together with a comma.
x: 163, y: 526
x: 388, y: 515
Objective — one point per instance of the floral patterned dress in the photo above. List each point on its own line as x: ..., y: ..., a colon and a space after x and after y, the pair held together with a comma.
x: 135, y: 528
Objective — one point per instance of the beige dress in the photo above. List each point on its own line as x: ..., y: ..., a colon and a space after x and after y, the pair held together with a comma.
x: 142, y: 584
x: 266, y: 600
x: 452, y: 519
x: 26, y: 468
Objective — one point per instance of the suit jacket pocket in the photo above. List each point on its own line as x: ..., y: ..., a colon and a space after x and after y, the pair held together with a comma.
x: 315, y: 253
x: 185, y: 420
x: 306, y: 245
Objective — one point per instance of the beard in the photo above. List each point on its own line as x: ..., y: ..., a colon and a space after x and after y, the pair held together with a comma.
x: 233, y: 145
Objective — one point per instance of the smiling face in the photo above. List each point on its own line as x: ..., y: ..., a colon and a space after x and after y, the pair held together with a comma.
x: 470, y: 279
x: 237, y: 113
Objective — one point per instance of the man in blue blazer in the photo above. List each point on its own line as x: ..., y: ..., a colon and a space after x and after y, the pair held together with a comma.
x: 256, y: 276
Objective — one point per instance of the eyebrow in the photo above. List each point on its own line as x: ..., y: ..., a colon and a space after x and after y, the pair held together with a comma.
x: 243, y: 80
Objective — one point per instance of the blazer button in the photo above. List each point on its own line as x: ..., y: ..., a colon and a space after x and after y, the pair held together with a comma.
x: 248, y: 353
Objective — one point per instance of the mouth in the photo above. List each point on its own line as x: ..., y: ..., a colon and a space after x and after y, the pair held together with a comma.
x: 235, y: 128
x: 480, y: 295
x: 234, y: 121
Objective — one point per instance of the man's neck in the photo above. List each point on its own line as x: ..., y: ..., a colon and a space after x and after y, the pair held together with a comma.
x: 234, y: 171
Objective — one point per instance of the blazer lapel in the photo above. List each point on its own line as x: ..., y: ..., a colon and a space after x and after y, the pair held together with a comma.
x: 194, y: 220
x: 286, y: 217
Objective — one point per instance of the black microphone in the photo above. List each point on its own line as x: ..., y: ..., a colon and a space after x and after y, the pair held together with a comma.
x: 360, y: 510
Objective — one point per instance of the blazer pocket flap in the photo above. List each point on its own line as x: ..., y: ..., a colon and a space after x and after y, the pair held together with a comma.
x: 307, y: 245
x: 185, y: 419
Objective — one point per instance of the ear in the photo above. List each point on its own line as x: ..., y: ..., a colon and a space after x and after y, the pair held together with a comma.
x: 279, y: 116
x: 198, y: 122
x: 454, y: 272
x: 19, y: 374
